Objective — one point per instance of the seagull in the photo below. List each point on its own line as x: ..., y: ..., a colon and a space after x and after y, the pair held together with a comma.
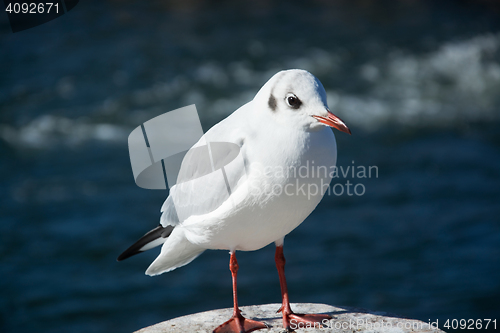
x: 264, y: 194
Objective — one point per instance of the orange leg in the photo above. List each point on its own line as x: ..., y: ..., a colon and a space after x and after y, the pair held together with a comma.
x: 238, y: 323
x: 291, y: 320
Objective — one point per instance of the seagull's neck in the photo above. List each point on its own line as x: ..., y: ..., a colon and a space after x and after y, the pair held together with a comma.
x: 284, y: 145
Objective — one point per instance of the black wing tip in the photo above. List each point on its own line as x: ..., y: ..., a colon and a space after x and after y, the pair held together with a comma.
x: 127, y: 254
x: 130, y: 252
x: 135, y: 248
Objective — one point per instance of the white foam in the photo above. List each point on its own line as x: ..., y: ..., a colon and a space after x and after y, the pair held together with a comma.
x: 458, y: 82
x: 48, y: 130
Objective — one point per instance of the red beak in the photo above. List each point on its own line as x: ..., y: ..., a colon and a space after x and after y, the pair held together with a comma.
x: 334, y: 121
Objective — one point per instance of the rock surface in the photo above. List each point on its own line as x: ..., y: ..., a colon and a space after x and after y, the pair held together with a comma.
x: 343, y: 320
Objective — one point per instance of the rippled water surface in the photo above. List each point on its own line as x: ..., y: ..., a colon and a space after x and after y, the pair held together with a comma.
x: 417, y: 82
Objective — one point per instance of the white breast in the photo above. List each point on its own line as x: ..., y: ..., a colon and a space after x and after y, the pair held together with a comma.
x: 282, y: 188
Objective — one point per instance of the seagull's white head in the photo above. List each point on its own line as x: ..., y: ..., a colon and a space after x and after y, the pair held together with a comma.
x: 296, y: 97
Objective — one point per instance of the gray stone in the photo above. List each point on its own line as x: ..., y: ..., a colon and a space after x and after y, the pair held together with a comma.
x: 343, y: 320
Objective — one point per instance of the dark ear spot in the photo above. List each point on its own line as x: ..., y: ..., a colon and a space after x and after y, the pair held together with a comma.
x: 272, y: 102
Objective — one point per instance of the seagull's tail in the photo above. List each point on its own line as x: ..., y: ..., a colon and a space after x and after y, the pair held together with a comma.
x: 152, y: 239
x: 176, y: 252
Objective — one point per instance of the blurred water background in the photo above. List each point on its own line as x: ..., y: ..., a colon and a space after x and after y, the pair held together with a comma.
x: 418, y: 82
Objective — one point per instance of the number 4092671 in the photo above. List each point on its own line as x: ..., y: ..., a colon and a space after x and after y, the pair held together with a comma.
x: 32, y: 8
x: 471, y: 324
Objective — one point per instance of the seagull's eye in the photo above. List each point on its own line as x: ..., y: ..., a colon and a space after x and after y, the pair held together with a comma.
x: 293, y: 101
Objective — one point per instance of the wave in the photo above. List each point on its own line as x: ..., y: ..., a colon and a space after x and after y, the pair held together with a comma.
x: 457, y: 82
x: 48, y: 131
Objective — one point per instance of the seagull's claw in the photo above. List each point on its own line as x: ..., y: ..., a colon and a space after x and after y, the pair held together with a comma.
x: 240, y: 324
x: 291, y: 319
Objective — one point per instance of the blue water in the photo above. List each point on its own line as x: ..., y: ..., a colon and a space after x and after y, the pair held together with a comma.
x: 417, y: 82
